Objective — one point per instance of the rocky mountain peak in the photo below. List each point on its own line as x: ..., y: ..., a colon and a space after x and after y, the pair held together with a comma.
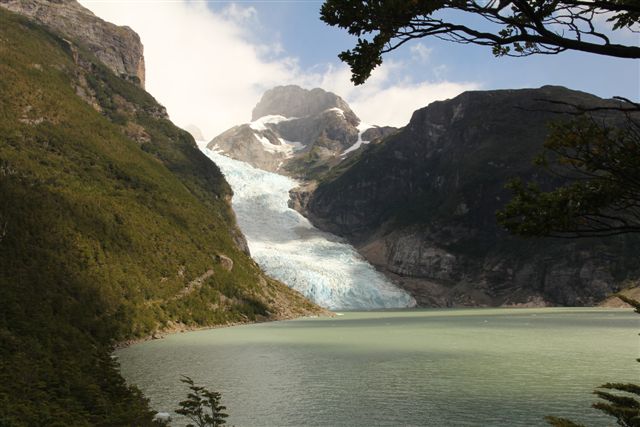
x: 294, y: 101
x: 298, y: 132
x: 119, y: 48
x: 507, y: 101
x: 421, y: 206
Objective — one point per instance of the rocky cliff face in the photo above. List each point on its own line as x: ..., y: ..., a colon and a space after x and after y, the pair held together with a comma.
x: 421, y: 206
x: 294, y: 101
x: 297, y: 132
x: 119, y: 48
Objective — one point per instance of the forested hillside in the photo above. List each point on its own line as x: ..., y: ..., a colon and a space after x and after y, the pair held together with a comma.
x: 113, y: 225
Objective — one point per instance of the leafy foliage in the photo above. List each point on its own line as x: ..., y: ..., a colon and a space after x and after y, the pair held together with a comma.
x: 601, y: 194
x: 624, y: 408
x: 108, y: 215
x: 202, y: 406
x: 512, y: 28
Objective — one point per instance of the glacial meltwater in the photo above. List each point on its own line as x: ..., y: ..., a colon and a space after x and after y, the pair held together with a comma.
x: 465, y: 367
x: 285, y: 244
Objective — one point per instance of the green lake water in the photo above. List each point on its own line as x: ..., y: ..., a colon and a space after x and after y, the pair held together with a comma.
x: 466, y: 367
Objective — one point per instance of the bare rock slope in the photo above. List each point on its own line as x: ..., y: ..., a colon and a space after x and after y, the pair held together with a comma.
x: 421, y: 206
x: 119, y: 48
x: 294, y: 101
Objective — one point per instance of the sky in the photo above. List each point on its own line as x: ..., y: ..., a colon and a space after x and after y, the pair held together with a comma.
x: 209, y: 62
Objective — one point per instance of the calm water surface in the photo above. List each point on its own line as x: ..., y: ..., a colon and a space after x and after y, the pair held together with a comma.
x: 470, y: 367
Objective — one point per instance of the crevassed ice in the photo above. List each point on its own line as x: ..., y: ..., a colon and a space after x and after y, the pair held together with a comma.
x: 289, y: 248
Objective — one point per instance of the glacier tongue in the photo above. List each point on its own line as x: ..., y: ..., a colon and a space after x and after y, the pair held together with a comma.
x: 290, y: 249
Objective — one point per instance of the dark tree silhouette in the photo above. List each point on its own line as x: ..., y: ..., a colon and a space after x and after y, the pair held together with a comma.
x: 508, y: 27
x: 600, y: 162
x: 202, y: 406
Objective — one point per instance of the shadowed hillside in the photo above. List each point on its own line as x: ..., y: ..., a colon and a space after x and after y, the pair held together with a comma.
x: 113, y: 225
x: 421, y: 206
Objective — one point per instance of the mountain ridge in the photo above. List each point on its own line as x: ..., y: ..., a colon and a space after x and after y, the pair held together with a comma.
x: 298, y: 132
x: 118, y: 47
x: 428, y: 220
x: 419, y: 202
x: 293, y: 101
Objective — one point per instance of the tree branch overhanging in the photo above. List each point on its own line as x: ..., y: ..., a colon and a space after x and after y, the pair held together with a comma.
x: 598, y: 155
x: 520, y: 27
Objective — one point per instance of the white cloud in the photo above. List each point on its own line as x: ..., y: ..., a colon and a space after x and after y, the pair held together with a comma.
x: 439, y: 71
x: 198, y: 64
x: 400, y: 101
x: 420, y: 52
x: 206, y: 69
x: 388, y: 98
x: 240, y: 14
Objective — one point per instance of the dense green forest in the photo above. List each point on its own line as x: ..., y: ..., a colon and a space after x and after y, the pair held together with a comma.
x: 112, y: 226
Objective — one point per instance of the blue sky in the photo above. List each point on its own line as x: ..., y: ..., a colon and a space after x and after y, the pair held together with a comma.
x: 209, y: 62
x: 298, y: 28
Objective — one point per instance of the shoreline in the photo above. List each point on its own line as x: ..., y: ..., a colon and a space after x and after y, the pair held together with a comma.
x: 161, y: 334
x: 179, y: 328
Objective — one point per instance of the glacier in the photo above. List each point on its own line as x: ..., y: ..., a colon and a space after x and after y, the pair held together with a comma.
x: 289, y: 248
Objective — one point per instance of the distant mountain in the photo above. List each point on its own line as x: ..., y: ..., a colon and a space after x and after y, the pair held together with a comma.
x: 113, y: 224
x: 294, y: 101
x: 421, y: 206
x: 298, y: 132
